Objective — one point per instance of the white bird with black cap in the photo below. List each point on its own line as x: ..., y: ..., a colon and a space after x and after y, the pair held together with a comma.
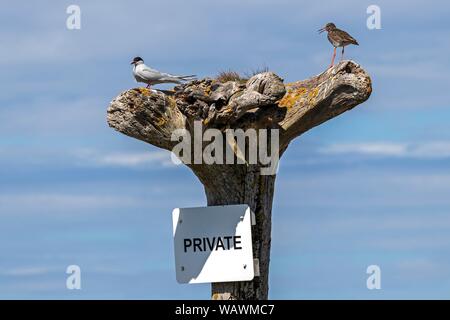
x: 145, y: 74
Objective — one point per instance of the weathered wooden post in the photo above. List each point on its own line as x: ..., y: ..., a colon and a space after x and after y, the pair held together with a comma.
x: 262, y: 102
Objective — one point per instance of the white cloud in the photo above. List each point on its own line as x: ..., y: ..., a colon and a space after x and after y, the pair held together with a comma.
x: 431, y: 150
x: 380, y: 149
x: 25, y: 271
x: 160, y: 158
x: 425, y: 150
x: 63, y: 203
x: 416, y: 242
x: 133, y: 159
x: 53, y: 116
x: 86, y: 157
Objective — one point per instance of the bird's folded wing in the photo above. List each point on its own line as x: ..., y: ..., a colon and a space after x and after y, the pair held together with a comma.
x: 171, y: 76
x: 345, y: 36
x: 154, y: 75
x: 150, y: 74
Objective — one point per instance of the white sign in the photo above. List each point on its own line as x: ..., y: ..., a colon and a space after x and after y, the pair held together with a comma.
x: 213, y: 244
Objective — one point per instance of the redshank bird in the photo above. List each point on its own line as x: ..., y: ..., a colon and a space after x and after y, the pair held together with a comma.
x: 338, y: 38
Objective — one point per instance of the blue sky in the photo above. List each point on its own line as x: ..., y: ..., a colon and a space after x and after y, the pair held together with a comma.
x: 369, y: 187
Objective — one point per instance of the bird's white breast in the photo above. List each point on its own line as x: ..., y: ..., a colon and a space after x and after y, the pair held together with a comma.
x: 137, y: 69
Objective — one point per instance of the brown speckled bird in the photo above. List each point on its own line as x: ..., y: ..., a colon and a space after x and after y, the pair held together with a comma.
x: 338, y: 38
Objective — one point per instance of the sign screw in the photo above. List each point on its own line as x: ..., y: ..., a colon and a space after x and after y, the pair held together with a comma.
x: 182, y: 268
x: 181, y: 221
x: 245, y: 266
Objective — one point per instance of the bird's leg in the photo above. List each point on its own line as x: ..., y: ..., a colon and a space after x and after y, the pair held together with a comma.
x: 342, y: 56
x: 334, y: 56
x: 151, y: 90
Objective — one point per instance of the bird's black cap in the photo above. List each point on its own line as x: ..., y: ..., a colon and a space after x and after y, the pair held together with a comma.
x: 136, y: 59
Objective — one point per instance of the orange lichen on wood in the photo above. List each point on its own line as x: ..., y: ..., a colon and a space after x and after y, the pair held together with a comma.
x: 144, y: 91
x: 312, y: 94
x: 291, y: 97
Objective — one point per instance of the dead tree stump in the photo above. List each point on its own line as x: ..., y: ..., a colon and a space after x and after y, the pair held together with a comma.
x: 261, y: 102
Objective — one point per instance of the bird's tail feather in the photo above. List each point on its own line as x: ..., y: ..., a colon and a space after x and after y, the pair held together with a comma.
x: 190, y: 77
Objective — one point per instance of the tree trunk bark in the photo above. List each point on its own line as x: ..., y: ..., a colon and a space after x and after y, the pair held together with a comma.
x: 245, y: 186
